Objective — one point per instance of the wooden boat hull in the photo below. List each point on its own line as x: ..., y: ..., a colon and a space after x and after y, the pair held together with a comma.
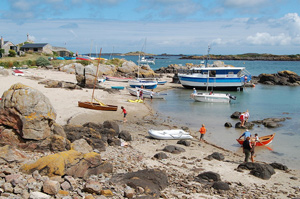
x: 264, y: 140
x: 177, y: 134
x: 97, y: 106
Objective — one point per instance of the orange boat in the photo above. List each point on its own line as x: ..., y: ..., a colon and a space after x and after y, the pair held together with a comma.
x: 264, y: 140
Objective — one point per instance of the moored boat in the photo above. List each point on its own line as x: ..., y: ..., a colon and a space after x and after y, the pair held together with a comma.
x: 175, y: 134
x: 264, y: 140
x: 213, y: 97
x: 220, y: 78
x: 147, y: 60
x: 146, y: 93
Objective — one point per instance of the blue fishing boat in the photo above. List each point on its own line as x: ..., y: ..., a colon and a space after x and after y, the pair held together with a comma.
x: 218, y: 78
x: 118, y: 87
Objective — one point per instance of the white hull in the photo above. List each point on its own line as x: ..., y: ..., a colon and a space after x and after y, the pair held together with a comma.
x: 214, y: 97
x: 146, y: 93
x: 177, y: 134
x: 147, y: 84
x: 118, y: 79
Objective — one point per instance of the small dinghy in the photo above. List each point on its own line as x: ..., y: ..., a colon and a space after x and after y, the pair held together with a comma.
x: 176, y: 134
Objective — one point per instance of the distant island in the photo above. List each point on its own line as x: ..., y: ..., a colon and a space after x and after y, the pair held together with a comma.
x: 246, y: 56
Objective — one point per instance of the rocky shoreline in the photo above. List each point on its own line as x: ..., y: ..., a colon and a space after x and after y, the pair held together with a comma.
x: 88, y: 154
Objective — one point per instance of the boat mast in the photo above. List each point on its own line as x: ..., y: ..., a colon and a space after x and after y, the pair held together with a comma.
x: 206, y: 61
x: 96, y: 77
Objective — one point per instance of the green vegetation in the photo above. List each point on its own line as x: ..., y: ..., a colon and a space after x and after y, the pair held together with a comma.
x: 83, y: 62
x: 42, y: 61
x: 117, y: 62
x: 12, y: 53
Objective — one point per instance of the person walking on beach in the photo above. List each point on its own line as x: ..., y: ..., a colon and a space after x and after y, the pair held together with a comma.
x: 151, y: 95
x: 245, y: 134
x: 247, y: 149
x: 137, y: 94
x: 253, y: 144
x: 202, y: 132
x: 141, y: 94
x: 125, y: 113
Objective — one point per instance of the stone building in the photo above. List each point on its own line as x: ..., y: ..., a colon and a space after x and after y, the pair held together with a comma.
x: 37, y: 48
x: 7, y: 45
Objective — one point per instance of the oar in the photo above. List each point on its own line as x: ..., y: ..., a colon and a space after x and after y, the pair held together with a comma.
x: 265, y: 146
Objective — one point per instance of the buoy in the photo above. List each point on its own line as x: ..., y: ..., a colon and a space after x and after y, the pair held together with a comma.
x: 253, y: 85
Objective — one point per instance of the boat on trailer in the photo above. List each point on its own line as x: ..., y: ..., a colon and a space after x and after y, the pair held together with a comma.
x: 264, y: 140
x: 175, y: 134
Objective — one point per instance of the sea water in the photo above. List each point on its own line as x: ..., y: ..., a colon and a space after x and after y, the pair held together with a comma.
x: 262, y: 101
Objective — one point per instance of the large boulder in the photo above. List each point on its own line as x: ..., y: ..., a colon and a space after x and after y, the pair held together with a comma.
x: 208, y: 177
x: 263, y: 171
x: 27, y: 111
x: 128, y: 67
x: 151, y: 180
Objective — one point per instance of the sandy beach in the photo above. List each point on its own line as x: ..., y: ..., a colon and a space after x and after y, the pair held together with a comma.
x: 179, y: 167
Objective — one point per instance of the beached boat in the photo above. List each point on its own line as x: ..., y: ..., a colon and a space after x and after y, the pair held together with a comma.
x: 146, y: 84
x: 101, y: 80
x: 176, y: 134
x: 147, y: 60
x: 85, y: 58
x: 213, y: 97
x: 220, y: 78
x: 70, y: 58
x: 161, y: 82
x: 146, y: 93
x: 18, y: 73
x: 264, y: 140
x: 118, y: 79
x: 118, y: 87
x: 97, y: 106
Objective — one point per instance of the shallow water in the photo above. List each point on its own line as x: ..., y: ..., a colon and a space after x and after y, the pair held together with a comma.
x: 262, y: 101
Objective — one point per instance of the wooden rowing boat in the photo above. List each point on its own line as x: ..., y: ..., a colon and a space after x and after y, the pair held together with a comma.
x: 264, y: 140
x: 97, y: 106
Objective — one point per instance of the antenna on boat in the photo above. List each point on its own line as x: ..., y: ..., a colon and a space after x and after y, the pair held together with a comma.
x: 96, y: 77
x: 207, y: 57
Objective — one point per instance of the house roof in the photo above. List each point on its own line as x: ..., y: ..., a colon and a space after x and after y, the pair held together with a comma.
x: 37, y: 45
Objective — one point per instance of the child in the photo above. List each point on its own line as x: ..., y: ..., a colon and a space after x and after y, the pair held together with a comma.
x: 125, y: 113
x: 202, y: 132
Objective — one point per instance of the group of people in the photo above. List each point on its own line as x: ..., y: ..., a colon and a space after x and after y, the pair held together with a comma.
x: 139, y: 94
x: 249, y: 145
x: 244, y: 118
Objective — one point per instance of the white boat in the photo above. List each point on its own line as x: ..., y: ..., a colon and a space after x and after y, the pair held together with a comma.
x: 18, y: 73
x: 146, y: 93
x: 118, y: 79
x: 147, y: 84
x: 213, y: 97
x: 176, y: 134
x: 221, y: 78
x: 147, y: 60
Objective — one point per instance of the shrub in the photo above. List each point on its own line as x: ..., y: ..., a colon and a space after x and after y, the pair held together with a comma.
x: 16, y: 63
x: 117, y: 62
x: 12, y: 53
x: 83, y: 62
x: 41, y: 61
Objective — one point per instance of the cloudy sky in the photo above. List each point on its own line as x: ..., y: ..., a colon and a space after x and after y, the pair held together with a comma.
x: 167, y: 26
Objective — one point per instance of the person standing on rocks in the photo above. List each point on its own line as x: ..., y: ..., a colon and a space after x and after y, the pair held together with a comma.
x: 202, y: 132
x: 242, y: 119
x: 247, y: 148
x: 125, y: 113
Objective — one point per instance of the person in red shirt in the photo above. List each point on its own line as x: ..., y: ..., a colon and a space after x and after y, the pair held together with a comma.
x: 125, y: 113
x: 202, y: 132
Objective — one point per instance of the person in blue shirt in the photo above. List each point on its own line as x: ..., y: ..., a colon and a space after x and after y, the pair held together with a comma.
x: 245, y: 134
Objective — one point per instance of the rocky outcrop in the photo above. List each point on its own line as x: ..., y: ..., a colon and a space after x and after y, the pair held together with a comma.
x: 286, y: 78
x: 270, y: 122
x: 151, y: 180
x: 263, y: 171
x: 27, y: 112
x: 71, y: 163
x: 173, y: 149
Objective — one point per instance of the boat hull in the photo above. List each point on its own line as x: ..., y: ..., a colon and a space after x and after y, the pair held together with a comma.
x: 214, y: 97
x: 118, y: 79
x: 146, y: 93
x: 97, y: 106
x: 170, y: 134
x: 264, y: 140
x: 145, y: 84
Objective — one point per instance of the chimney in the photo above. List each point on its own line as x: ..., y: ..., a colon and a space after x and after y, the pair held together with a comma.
x: 1, y: 42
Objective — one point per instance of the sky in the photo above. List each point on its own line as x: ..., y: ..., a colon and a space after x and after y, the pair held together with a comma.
x: 156, y: 26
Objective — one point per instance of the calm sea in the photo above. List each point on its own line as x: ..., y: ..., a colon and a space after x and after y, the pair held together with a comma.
x: 262, y: 101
